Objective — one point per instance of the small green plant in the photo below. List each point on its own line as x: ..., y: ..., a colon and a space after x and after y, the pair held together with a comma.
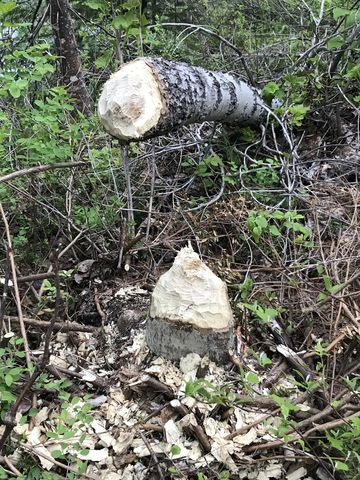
x: 245, y: 288
x: 175, y: 450
x: 210, y: 393
x: 248, y: 379
x: 224, y: 475
x: 262, y: 358
x: 200, y: 476
x: 264, y: 314
x: 262, y: 173
x: 266, y: 222
x: 329, y: 287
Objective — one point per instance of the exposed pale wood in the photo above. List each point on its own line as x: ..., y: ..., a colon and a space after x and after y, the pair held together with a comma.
x: 190, y: 312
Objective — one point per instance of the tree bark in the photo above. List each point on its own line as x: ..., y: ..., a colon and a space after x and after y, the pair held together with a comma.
x: 152, y: 96
x: 67, y: 48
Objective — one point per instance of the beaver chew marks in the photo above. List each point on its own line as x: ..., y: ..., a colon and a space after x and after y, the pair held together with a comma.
x: 190, y: 312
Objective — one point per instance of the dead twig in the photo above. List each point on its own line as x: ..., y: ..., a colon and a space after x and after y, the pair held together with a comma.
x: 16, y: 288
x: 62, y: 326
x: 96, y: 381
x: 153, y: 455
x: 40, y: 169
x: 35, y: 276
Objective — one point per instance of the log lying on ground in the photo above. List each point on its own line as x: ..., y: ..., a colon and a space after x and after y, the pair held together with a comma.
x: 190, y: 312
x: 152, y: 96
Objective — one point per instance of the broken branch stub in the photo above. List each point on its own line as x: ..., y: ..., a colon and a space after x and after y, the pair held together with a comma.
x: 152, y: 96
x: 190, y: 312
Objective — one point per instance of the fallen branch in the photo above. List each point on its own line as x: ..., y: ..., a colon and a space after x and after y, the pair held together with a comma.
x: 39, y: 169
x: 96, y: 381
x: 35, y: 276
x: 317, y: 428
x: 62, y: 326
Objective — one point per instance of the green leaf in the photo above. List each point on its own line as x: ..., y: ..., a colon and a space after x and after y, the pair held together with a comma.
x: 95, y: 4
x: 354, y: 73
x: 15, y: 91
x: 131, y: 4
x: 274, y: 231
x: 341, y: 466
x: 7, y: 396
x: 252, y: 378
x: 56, y: 453
x: 352, y: 18
x: 8, y: 380
x: 335, y: 42
x: 261, y: 222
x: 124, y: 21
x: 340, y: 12
x: 7, y: 7
x: 269, y: 91
x: 297, y: 113
x: 264, y: 359
x: 327, y: 282
x: 278, y: 215
x: 103, y: 60
x: 175, y: 450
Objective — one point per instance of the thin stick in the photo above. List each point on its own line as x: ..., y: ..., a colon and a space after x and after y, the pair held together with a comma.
x: 16, y: 287
x: 35, y: 276
x: 60, y: 255
x: 125, y: 155
x: 63, y: 326
x: 11, y: 467
x: 153, y: 455
x: 152, y: 187
x: 40, y: 169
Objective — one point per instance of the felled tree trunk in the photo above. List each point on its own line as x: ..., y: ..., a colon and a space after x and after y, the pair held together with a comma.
x: 190, y: 312
x: 152, y: 96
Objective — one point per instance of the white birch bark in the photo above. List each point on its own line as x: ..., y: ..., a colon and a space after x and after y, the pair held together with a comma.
x: 152, y: 96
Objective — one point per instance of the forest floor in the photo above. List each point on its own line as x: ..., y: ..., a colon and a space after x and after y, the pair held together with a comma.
x: 265, y: 415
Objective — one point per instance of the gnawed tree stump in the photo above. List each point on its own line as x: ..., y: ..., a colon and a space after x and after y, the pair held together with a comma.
x: 190, y: 312
x: 152, y: 96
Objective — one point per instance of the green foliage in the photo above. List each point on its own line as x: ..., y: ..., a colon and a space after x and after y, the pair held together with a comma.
x: 245, y: 288
x: 208, y: 392
x: 261, y: 173
x: 286, y: 406
x: 12, y: 371
x: 73, y: 416
x: 262, y: 358
x: 265, y: 315
x: 344, y: 442
x: 262, y: 223
x: 329, y: 287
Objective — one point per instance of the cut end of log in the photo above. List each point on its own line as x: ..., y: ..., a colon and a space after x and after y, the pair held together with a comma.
x: 190, y: 311
x: 131, y: 103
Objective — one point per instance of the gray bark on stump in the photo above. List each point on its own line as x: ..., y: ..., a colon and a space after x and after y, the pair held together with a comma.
x: 152, y: 96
